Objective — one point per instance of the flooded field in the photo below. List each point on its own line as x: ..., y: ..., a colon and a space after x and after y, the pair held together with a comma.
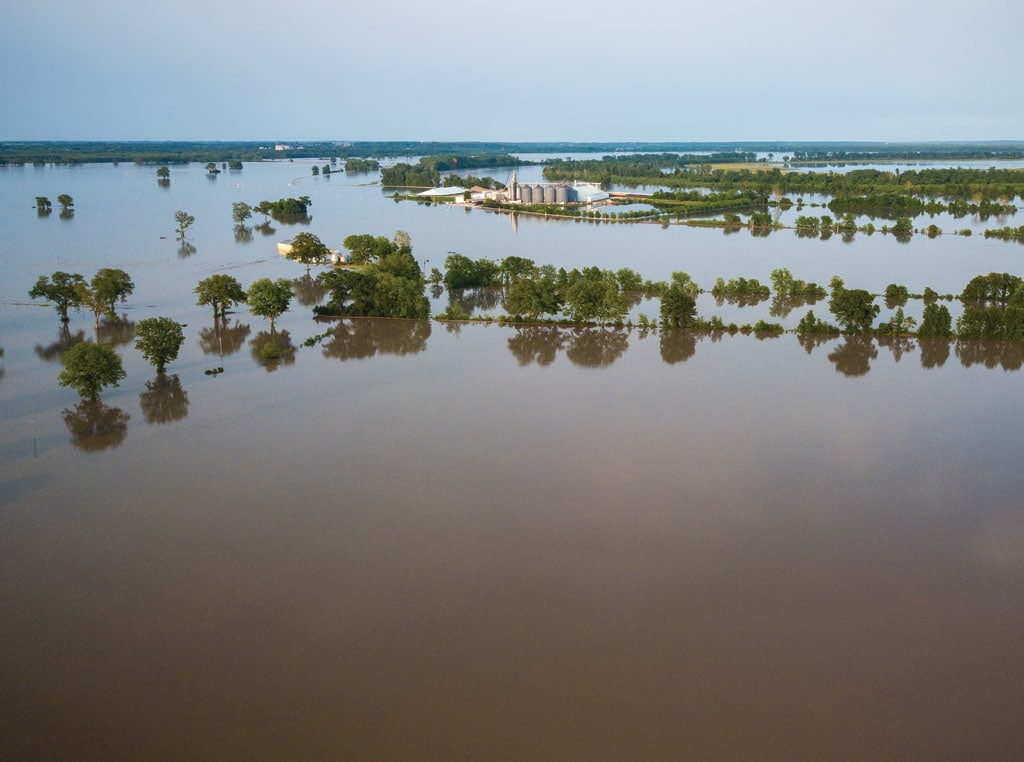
x: 422, y: 541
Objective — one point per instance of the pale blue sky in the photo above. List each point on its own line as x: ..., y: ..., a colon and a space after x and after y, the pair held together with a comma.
x: 529, y: 70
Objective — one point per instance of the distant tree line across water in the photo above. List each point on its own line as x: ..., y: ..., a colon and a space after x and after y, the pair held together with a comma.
x: 178, y: 152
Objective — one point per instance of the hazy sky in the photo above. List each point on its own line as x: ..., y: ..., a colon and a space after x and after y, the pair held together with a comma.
x: 528, y: 70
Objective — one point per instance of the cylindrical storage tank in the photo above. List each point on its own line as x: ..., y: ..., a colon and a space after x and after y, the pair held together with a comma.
x: 538, y: 194
x: 562, y: 194
x: 526, y: 194
x: 549, y: 194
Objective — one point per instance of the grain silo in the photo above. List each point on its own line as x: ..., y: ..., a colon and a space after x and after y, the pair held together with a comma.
x: 526, y: 194
x: 549, y: 194
x: 561, y: 194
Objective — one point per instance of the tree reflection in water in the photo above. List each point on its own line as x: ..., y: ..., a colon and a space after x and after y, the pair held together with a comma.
x: 471, y: 300
x: 94, y: 426
x: 934, y: 352
x: 853, y: 357
x: 65, y: 340
x: 677, y: 345
x: 358, y: 339
x: 595, y: 347
x: 164, y: 400
x: 536, y: 344
x: 811, y: 341
x: 272, y: 349
x: 243, y: 234
x: 308, y: 290
x: 781, y: 306
x: 898, y: 345
x: 992, y: 353
x: 223, y: 339
x: 115, y: 332
x: 186, y: 250
x: 266, y: 229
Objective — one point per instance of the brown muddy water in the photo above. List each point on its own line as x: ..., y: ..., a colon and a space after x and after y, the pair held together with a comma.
x: 414, y: 541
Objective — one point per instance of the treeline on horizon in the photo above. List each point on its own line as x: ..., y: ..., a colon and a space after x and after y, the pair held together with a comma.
x: 176, y: 152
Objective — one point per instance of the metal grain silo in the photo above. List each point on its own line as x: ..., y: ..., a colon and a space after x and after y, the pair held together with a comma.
x: 538, y: 194
x: 562, y: 194
x: 549, y: 194
x: 526, y: 194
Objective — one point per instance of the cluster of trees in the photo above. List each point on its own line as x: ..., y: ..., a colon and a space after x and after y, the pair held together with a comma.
x: 427, y: 172
x: 993, y: 308
x: 1006, y: 233
x: 67, y: 206
x: 361, y: 165
x: 390, y: 283
x: 71, y: 291
x: 639, y: 169
x: 284, y: 209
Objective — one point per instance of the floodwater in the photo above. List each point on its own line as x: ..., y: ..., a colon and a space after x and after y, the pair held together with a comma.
x: 430, y: 542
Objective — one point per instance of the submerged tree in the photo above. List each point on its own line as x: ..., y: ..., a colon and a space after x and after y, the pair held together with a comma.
x: 219, y: 291
x: 184, y: 221
x: 269, y: 298
x: 63, y: 289
x: 159, y: 339
x: 88, y: 367
x: 240, y: 212
x: 307, y: 249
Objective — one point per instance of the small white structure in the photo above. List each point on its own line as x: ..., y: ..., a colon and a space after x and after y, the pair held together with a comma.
x: 454, y: 191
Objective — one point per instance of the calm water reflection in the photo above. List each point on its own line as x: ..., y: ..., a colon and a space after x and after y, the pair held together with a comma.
x: 94, y: 426
x: 164, y: 400
x: 498, y: 542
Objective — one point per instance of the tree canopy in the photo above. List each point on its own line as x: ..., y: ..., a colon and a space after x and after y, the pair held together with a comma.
x: 219, y: 291
x: 63, y: 289
x: 307, y: 249
x: 159, y: 339
x: 269, y: 298
x: 88, y: 367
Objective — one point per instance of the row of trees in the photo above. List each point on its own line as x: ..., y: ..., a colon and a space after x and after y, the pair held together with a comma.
x: 67, y: 206
x: 71, y: 291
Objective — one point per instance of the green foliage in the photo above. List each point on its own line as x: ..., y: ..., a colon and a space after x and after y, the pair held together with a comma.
x: 43, y: 204
x: 63, y: 289
x: 184, y: 221
x: 111, y: 285
x: 66, y: 202
x: 316, y: 170
x: 88, y: 367
x: 159, y: 339
x: 994, y: 287
x: 679, y: 303
x: 533, y: 297
x: 219, y: 291
x: 308, y: 249
x: 163, y: 173
x: 240, y: 212
x: 785, y: 285
x: 593, y: 294
x: 1006, y: 233
x: 366, y: 248
x: 629, y: 280
x: 285, y: 209
x: 739, y: 286
x: 390, y: 286
x: 935, y: 322
x: 854, y: 309
x: 463, y: 272
x: 269, y: 298
x: 895, y: 296
x: 899, y: 325
x: 809, y: 324
x: 361, y: 165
